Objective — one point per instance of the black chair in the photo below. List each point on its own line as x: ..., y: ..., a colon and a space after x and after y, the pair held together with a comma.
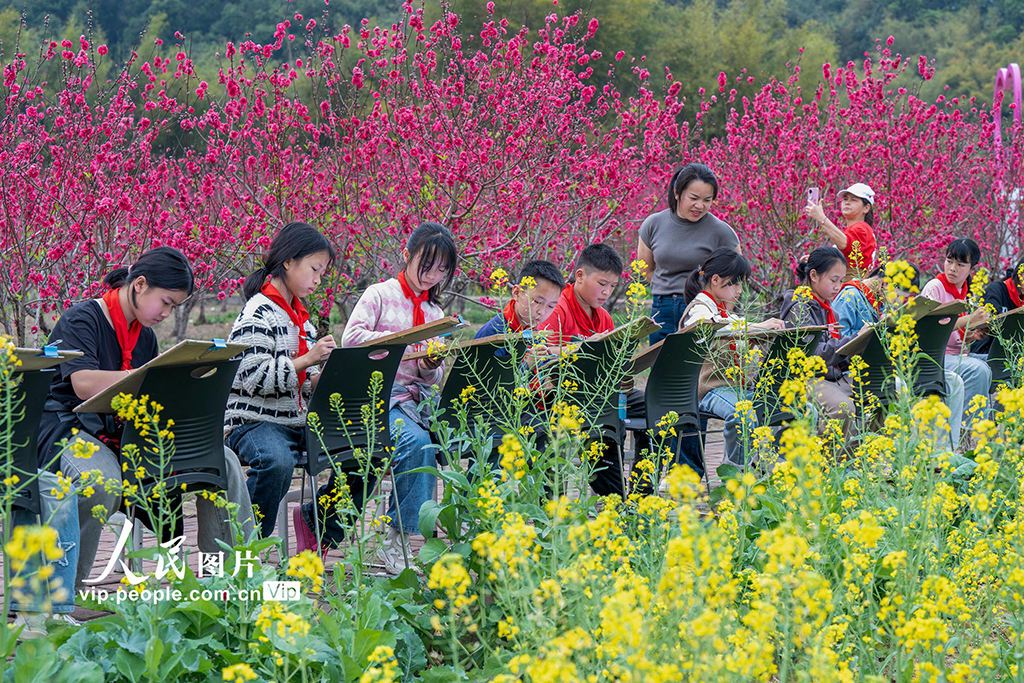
x: 195, y: 396
x: 347, y: 374
x: 929, y: 369
x: 487, y: 366
x: 1007, y: 346
x: 28, y: 398
x: 673, y: 386
x: 776, y: 365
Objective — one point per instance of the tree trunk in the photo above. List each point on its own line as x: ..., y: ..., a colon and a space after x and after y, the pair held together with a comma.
x: 201, y: 319
x: 181, y: 314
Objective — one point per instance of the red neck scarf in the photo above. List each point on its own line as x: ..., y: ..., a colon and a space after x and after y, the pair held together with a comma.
x: 722, y: 310
x: 830, y: 315
x: 417, y: 301
x: 1011, y: 288
x: 299, y: 317
x: 868, y: 294
x: 582, y: 321
x: 960, y: 294
x: 509, y: 312
x: 127, y: 335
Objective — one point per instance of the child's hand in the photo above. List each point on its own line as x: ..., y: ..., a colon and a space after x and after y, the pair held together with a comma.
x: 429, y: 363
x: 771, y: 324
x: 321, y: 350
x: 815, y: 212
x: 537, y: 354
x: 975, y: 335
x: 979, y: 316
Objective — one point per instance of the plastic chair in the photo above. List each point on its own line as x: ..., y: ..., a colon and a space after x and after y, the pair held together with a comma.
x: 489, y: 366
x: 195, y: 396
x: 347, y: 373
x: 929, y: 372
x: 29, y: 397
x: 673, y: 386
x: 775, y: 364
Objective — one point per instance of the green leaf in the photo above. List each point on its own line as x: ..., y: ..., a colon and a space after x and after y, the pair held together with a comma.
x: 432, y: 550
x: 154, y: 653
x: 367, y: 640
x: 428, y: 517
x: 130, y: 666
x: 35, y: 661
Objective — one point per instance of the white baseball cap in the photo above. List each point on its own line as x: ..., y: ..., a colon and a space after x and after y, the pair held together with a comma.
x: 859, y: 190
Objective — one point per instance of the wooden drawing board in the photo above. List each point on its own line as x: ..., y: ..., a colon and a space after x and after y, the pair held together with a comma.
x: 925, y: 307
x: 34, y: 359
x: 493, y: 340
x: 182, y: 353
x: 768, y: 334
x: 419, y: 333
x: 646, y: 358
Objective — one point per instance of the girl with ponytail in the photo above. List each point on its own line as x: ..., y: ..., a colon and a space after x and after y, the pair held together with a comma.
x: 713, y: 290
x: 823, y: 274
x: 266, y: 413
x: 410, y: 298
x: 115, y: 334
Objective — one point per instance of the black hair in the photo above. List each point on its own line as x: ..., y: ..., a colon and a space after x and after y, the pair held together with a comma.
x: 682, y: 178
x: 1014, y: 273
x: 163, y: 267
x: 434, y: 243
x: 600, y: 258
x: 546, y: 270
x: 294, y: 241
x: 964, y: 250
x: 869, y: 217
x: 726, y: 263
x: 820, y: 261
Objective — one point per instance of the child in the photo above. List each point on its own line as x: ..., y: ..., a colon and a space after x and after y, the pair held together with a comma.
x: 1003, y: 295
x: 579, y: 315
x: 529, y: 306
x: 857, y: 240
x: 713, y: 290
x: 114, y: 333
x: 953, y: 284
x: 861, y: 303
x: 824, y: 272
x: 409, y: 299
x: 266, y: 412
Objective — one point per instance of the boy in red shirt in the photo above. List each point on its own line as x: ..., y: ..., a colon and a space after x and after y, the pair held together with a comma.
x: 579, y: 316
x: 857, y: 239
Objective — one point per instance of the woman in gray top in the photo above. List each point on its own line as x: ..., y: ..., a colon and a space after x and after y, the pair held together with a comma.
x: 677, y: 241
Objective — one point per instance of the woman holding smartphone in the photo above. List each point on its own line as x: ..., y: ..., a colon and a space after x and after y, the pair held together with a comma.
x: 857, y: 239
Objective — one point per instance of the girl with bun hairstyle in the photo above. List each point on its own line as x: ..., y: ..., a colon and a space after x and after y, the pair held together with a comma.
x: 115, y: 336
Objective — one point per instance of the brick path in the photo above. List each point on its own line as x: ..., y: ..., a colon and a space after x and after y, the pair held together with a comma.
x: 108, y: 540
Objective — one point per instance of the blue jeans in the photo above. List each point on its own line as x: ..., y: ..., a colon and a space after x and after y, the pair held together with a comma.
x: 62, y: 515
x: 413, y: 449
x: 722, y: 402
x: 667, y: 311
x: 272, y: 452
x: 977, y: 376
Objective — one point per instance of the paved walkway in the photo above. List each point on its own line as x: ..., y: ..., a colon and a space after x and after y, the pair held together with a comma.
x: 108, y: 540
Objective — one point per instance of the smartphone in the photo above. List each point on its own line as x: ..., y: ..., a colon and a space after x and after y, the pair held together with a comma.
x: 813, y: 195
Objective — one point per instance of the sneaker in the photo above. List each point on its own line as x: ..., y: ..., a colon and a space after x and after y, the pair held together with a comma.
x: 391, y: 555
x: 305, y: 539
x: 33, y: 625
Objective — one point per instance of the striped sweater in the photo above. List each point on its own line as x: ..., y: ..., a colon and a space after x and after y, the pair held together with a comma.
x: 383, y: 310
x: 266, y: 387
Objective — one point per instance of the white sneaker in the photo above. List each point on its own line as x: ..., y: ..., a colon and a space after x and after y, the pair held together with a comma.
x: 390, y: 553
x: 34, y: 624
